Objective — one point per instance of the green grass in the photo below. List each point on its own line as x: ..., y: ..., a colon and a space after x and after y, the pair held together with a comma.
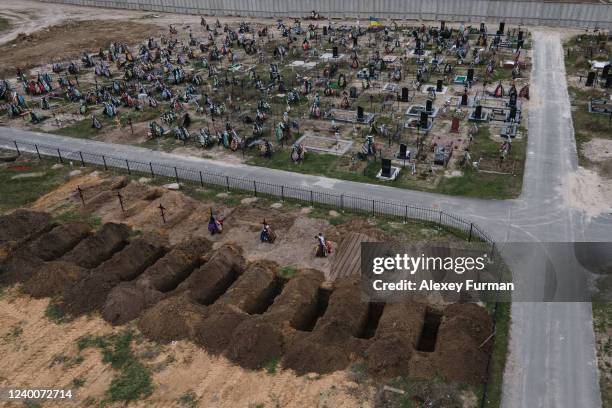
x: 55, y: 313
x: 498, y: 356
x: 188, y: 400
x: 288, y: 271
x: 271, y: 366
x: 602, y: 324
x: 16, y: 193
x: 133, y: 379
x: 472, y: 183
x: 83, y: 129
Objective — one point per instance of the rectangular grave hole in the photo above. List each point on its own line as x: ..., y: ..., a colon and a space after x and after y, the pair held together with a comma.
x: 172, y: 283
x: 267, y: 298
x: 310, y: 321
x: 429, y: 332
x: 221, y: 287
x: 368, y: 328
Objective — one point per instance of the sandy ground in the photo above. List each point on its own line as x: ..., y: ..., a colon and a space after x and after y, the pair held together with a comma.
x: 40, y: 355
x: 586, y: 190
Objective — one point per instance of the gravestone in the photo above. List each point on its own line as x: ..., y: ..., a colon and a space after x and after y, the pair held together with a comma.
x: 464, y: 99
x: 386, y: 168
x: 590, y: 79
x: 439, y: 86
x: 519, y: 44
x: 606, y: 71
x: 520, y: 36
x: 478, y: 112
x: 470, y: 75
x: 482, y: 28
x: 442, y: 24
x: 404, y: 94
x: 608, y: 81
x: 355, y: 41
x: 502, y: 26
x: 335, y: 52
x: 324, y: 30
x: 402, y: 152
x: 429, y: 106
x: 455, y: 125
x: 353, y: 92
x: 423, y: 120
x: 359, y: 114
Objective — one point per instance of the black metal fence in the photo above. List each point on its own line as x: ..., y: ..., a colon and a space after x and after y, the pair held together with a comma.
x: 342, y: 202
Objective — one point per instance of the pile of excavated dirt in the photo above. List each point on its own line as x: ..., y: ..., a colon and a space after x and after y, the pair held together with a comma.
x: 127, y: 300
x: 90, y: 293
x: 174, y: 318
x: 19, y: 226
x: 94, y: 250
x: 52, y: 278
x: 214, y: 333
x: 28, y: 259
x: 255, y: 342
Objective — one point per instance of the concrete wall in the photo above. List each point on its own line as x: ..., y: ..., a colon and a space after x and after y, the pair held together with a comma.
x: 512, y: 11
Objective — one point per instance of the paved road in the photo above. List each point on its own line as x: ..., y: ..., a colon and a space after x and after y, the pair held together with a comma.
x: 552, y: 349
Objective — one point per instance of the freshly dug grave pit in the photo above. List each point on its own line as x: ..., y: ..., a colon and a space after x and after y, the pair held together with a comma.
x: 90, y: 293
x: 94, y: 250
x: 209, y: 282
x: 255, y: 290
x: 20, y: 226
x: 52, y: 279
x: 167, y: 273
x: 126, y: 301
x: 297, y: 303
x: 174, y: 318
x: 27, y: 260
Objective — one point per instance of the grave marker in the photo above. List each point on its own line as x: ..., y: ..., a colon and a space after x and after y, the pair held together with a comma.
x: 590, y: 79
x: 429, y: 106
x: 439, y: 86
x: 404, y: 94
x: 478, y: 112
x: 455, y: 125
x: 502, y: 26
x: 464, y: 99
x: 386, y: 168
x: 470, y: 75
x: 359, y: 114
x: 403, y: 151
x: 424, y: 120
x: 335, y: 52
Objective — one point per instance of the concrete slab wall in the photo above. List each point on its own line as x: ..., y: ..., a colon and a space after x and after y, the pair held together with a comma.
x: 531, y: 12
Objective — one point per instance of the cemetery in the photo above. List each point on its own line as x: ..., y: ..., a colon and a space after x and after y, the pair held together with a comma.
x: 589, y: 75
x: 433, y: 106
x: 102, y: 264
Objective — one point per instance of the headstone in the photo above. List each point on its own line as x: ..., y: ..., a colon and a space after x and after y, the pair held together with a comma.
x: 482, y: 28
x: 386, y: 168
x: 608, y: 81
x: 470, y: 75
x: 429, y: 106
x: 355, y: 41
x: 502, y: 26
x: 353, y: 92
x: 324, y: 30
x: 464, y: 99
x: 520, y: 35
x: 455, y: 125
x: 606, y: 71
x: 519, y: 44
x: 403, y: 151
x: 359, y: 114
x: 442, y: 24
x: 590, y: 79
x: 439, y: 86
x: 478, y: 112
x: 424, y: 120
x: 335, y: 52
x: 404, y: 94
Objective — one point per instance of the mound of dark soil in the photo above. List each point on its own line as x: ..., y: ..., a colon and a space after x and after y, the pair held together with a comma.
x: 255, y: 290
x: 97, y: 248
x: 20, y: 226
x: 52, y: 279
x: 90, y: 293
x: 174, y: 318
x: 215, y: 332
x: 389, y: 356
x: 254, y: 343
x: 307, y: 356
x: 127, y: 300
x: 59, y: 240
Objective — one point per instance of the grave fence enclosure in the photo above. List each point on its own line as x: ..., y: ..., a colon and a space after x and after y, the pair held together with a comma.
x: 199, y: 178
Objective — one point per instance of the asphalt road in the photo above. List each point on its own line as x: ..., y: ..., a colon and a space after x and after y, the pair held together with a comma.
x: 552, y: 362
